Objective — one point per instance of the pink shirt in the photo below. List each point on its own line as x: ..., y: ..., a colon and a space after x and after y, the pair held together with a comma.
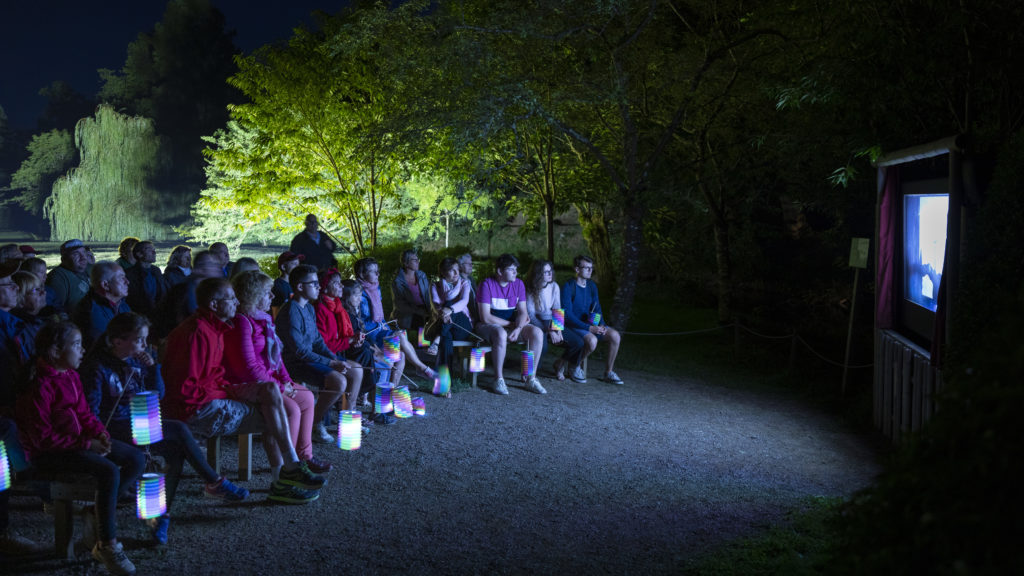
x: 252, y: 351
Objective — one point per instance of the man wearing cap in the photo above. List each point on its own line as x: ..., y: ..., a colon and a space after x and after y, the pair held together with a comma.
x: 282, y: 290
x: 314, y: 245
x: 69, y: 281
x: 27, y: 251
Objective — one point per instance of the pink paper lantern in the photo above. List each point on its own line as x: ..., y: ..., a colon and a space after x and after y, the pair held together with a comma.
x: 528, y: 364
x: 558, y: 319
x: 443, y: 382
x: 350, y: 430
x: 151, y: 498
x: 393, y: 347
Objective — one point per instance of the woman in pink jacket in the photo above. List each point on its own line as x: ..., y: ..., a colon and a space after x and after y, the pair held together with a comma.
x: 60, y: 433
x: 252, y: 353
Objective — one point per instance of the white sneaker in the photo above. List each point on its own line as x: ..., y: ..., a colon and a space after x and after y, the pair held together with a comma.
x: 499, y: 387
x: 320, y: 435
x: 114, y: 559
x: 533, y: 385
x: 578, y: 375
x: 613, y: 378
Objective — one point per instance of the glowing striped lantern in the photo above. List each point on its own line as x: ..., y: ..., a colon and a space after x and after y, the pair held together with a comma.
x: 393, y: 347
x: 350, y: 430
x: 152, y: 496
x: 421, y: 339
x: 476, y: 360
x: 5, y: 468
x: 419, y: 407
x: 595, y: 318
x: 383, y: 399
x: 403, y: 402
x: 528, y: 364
x: 558, y: 319
x: 443, y: 382
x: 145, y: 408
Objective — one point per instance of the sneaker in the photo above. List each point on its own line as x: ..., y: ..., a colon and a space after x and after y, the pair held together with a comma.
x: 499, y: 387
x: 318, y: 466
x: 12, y: 545
x: 113, y: 559
x: 320, y: 435
x: 224, y: 490
x: 302, y: 477
x: 578, y: 375
x: 383, y: 419
x: 159, y: 527
x: 428, y: 373
x: 280, y: 492
x: 613, y: 378
x: 365, y: 430
x: 533, y: 385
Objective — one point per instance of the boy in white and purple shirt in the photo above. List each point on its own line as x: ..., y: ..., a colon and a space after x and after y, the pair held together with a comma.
x: 501, y: 300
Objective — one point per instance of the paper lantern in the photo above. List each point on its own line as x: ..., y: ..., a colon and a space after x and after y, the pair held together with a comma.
x: 383, y: 399
x: 421, y: 339
x: 152, y: 496
x: 145, y: 408
x: 476, y: 360
x: 393, y: 347
x: 528, y: 364
x: 558, y: 319
x: 5, y: 468
x: 419, y: 407
x: 350, y: 430
x: 595, y: 318
x: 443, y: 382
x: 403, y: 402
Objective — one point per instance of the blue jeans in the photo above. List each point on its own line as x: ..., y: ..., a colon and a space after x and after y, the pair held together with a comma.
x: 122, y: 467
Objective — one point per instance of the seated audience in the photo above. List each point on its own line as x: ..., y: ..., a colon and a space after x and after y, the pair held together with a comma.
x: 220, y: 250
x: 362, y: 352
x: 371, y: 316
x: 197, y: 391
x: 501, y: 300
x: 286, y: 262
x: 579, y: 296
x: 31, y: 302
x: 15, y: 351
x: 125, y: 252
x: 146, y: 283
x: 179, y: 265
x: 61, y: 434
x: 180, y: 302
x: 69, y: 282
x: 113, y: 372
x: 466, y: 271
x: 307, y: 357
x: 543, y: 296
x: 410, y: 294
x: 450, y: 297
x: 253, y: 354
x: 105, y: 300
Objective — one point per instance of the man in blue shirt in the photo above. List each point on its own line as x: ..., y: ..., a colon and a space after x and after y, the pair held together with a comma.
x: 583, y: 316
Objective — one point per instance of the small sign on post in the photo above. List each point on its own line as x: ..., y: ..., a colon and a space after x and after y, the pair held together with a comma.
x: 858, y: 259
x: 859, y: 252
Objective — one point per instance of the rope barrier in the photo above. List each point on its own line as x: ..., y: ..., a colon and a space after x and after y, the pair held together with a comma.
x: 794, y: 335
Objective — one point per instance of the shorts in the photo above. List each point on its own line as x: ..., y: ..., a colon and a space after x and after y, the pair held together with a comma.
x: 224, y: 417
x: 490, y: 331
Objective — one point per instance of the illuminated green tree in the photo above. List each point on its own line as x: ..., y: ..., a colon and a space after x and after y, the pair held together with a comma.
x: 50, y: 155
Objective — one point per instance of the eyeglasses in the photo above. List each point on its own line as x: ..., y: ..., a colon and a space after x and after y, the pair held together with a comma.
x: 311, y: 283
x: 231, y: 299
x: 586, y: 267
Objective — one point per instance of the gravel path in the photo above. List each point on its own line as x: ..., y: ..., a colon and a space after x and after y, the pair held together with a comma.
x: 590, y: 478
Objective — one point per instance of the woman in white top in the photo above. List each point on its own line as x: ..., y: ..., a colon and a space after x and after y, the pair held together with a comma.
x: 543, y: 296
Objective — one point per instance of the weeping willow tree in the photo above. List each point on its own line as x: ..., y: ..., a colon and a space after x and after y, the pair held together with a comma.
x: 110, y: 195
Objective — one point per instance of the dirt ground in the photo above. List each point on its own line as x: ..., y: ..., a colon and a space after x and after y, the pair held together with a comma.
x: 591, y: 478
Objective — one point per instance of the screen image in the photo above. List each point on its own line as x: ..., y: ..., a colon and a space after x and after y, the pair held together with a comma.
x: 924, y: 247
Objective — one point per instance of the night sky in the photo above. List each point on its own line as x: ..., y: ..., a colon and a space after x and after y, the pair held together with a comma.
x: 46, y: 40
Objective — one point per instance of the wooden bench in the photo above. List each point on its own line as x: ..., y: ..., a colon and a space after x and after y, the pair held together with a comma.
x: 65, y: 489
x: 244, y: 454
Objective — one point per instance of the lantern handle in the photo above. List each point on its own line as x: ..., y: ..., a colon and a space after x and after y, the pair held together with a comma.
x: 112, y: 410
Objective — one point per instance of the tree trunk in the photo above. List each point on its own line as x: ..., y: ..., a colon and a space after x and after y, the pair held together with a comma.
x: 723, y: 260
x: 632, y: 250
x: 549, y: 225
